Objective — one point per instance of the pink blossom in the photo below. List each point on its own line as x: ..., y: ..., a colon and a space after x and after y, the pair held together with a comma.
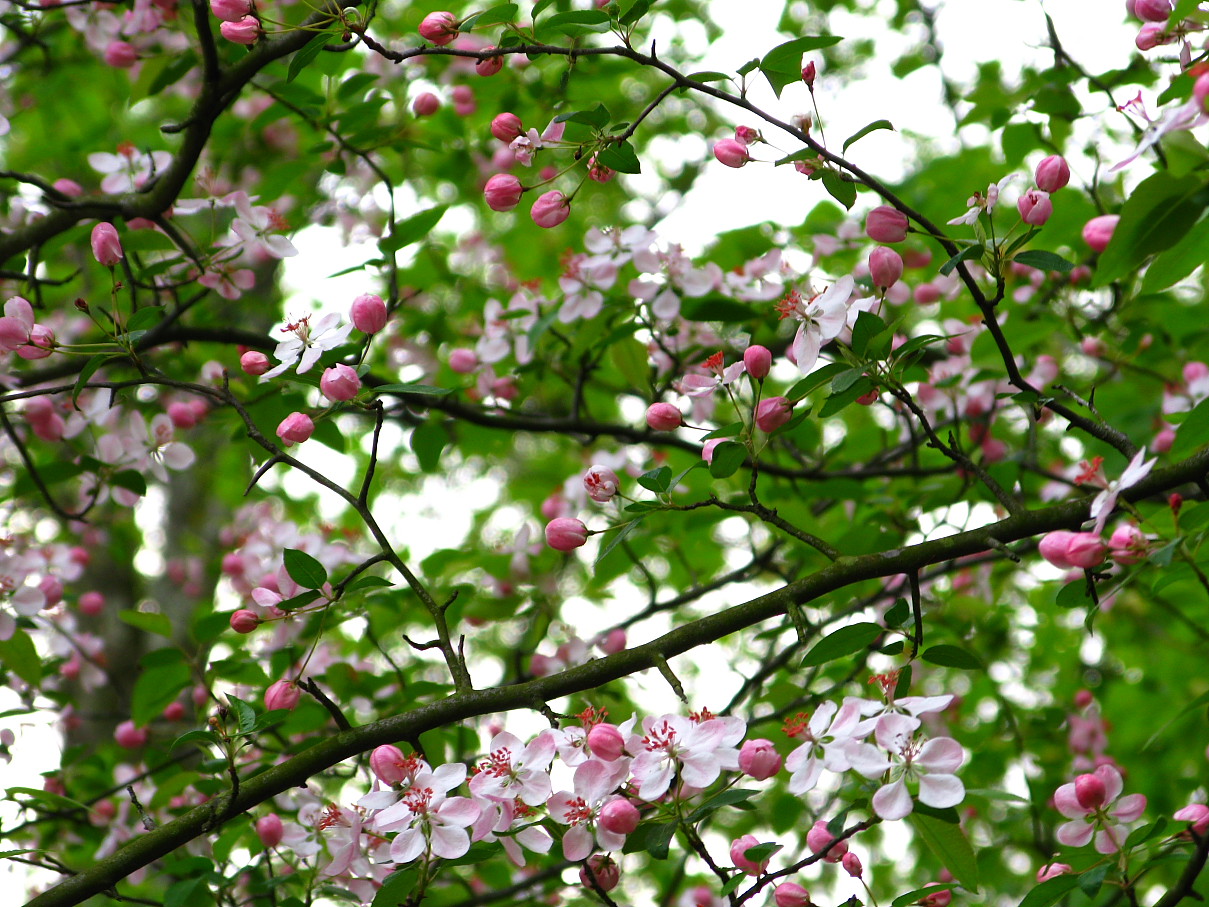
x: 606, y: 742
x: 601, y: 483
x: 270, y: 830
x: 106, y: 246
x: 506, y: 127
x: 244, y: 621
x: 428, y: 821
x: 17, y: 323
x: 258, y: 227
x: 566, y: 534
x: 791, y: 894
x: 1152, y: 10
x: 254, y: 362
x: 1052, y: 174
x: 852, y: 865
x: 130, y: 737
x: 230, y: 10
x: 759, y: 758
x: 772, y: 413
x: 1197, y: 814
x: 825, y: 740
x: 739, y: 858
x: 663, y: 417
x: 295, y: 428
x: 306, y: 343
x: 820, y: 840
x: 1069, y: 550
x: 822, y: 319
x: 368, y: 313
x: 340, y: 383
x: 1128, y: 544
x: 619, y: 816
x: 1106, y: 501
x: 885, y: 267
x: 503, y: 192
x: 1052, y: 871
x: 284, y: 694
x: 698, y: 751
x: 581, y: 809
x: 550, y: 209
x: 489, y: 66
x: 1035, y: 207
x: 731, y: 152
x: 604, y: 872
x: 515, y: 770
x: 439, y: 28
x: 809, y: 73
x: 1098, y: 231
x: 121, y: 54
x: 242, y: 31
x: 758, y: 361
x: 1088, y: 803
x: 931, y: 763
x: 886, y: 225
x: 463, y: 361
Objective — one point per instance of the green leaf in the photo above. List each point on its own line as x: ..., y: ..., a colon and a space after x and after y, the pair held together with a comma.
x: 497, y: 15
x: 953, y: 657
x: 639, y: 9
x: 866, y: 328
x: 1190, y: 707
x: 919, y: 893
x: 368, y: 582
x: 396, y: 888
x: 597, y: 117
x: 726, y: 431
x: 1193, y: 432
x: 657, y: 480
x: 845, y: 380
x: 630, y: 357
x: 199, y: 737
x: 652, y: 838
x: 1141, y: 835
x: 1161, y: 210
x: 578, y: 22
x: 949, y: 845
x: 413, y: 229
x: 736, y: 797
x: 762, y: 852
x: 19, y: 656
x: 783, y: 64
x: 299, y: 601
x: 148, y: 621
x: 815, y: 380
x: 46, y: 799
x: 728, y: 457
x: 1090, y: 881
x: 131, y: 480
x: 479, y: 852
x: 619, y: 157
x: 716, y: 308
x: 308, y: 53
x: 872, y: 127
x: 618, y: 537
x: 50, y: 473
x: 421, y: 390
x: 1073, y: 595
x: 428, y: 440
x: 709, y: 75
x: 245, y: 714
x: 156, y: 688
x: 1046, y: 261
x: 304, y: 569
x: 842, y: 190
x: 841, y: 642
x: 1051, y: 891
x: 1172, y: 266
x: 898, y: 613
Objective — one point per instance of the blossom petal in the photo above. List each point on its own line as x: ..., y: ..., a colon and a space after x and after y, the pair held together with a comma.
x: 893, y: 801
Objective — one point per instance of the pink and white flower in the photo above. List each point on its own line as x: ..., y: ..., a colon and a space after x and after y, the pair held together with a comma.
x: 822, y: 318
x: 1088, y: 802
x: 698, y: 751
x: 905, y: 757
x: 306, y: 344
x: 513, y: 770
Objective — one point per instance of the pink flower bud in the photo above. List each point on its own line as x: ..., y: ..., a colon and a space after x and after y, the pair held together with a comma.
x: 426, y: 104
x: 601, y: 483
x: 463, y: 361
x: 244, y: 621
x: 746, y: 135
x: 387, y: 761
x: 463, y: 100
x: 818, y: 839
x: 738, y: 855
x: 182, y: 414
x: 1084, y: 698
x: 1197, y: 814
x: 368, y: 313
x: 885, y: 267
x: 1128, y: 544
x: 731, y: 152
x: 886, y: 224
x: 663, y: 417
x: 809, y: 72
x: 936, y: 898
x: 295, y: 428
x: 92, y: 603
x: 340, y: 383
x: 174, y: 711
x: 439, y: 28
x: 566, y: 534
x: 791, y: 894
x: 1090, y: 791
x: 852, y: 865
x: 598, y: 172
x: 270, y: 830
x: 606, y: 873
x: 130, y: 737
x: 926, y: 293
x: 759, y: 758
x: 284, y: 694
x: 70, y: 188
x: 1163, y: 440
x: 619, y: 816
x: 51, y: 588
x: 503, y: 192
x: 1150, y: 36
x: 41, y: 343
x: 231, y: 10
x: 614, y: 642
x: 506, y: 127
x: 241, y: 31
x: 1098, y: 231
x: 550, y: 209
x: 106, y: 247
x: 1035, y: 207
x: 772, y: 413
x: 1072, y: 549
x: 758, y: 361
x: 1052, y: 871
x: 489, y: 66
x: 121, y: 55
x: 1152, y: 10
x: 605, y: 742
x: 254, y: 363
x: 1052, y: 173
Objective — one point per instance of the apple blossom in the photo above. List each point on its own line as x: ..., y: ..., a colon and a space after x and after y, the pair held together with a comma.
x: 740, y: 860
x: 1098, y: 231
x: 130, y: 737
x: 284, y: 694
x: 244, y: 621
x: 663, y: 417
x: 340, y: 383
x: 821, y: 841
x: 1035, y: 207
x: 270, y: 830
x: 852, y: 865
x: 1052, y: 871
x: 900, y: 753
x: 1052, y: 174
x: 1152, y: 10
x: 368, y: 313
x: 1083, y: 550
x: 231, y: 10
x: 731, y: 152
x: 772, y: 413
x: 758, y: 361
x: 759, y: 758
x: 1197, y: 814
x: 245, y: 30
x: 92, y: 603
x: 603, y: 871
x: 1128, y: 544
x: 439, y: 28
x: 1089, y: 803
x: 822, y: 319
x: 506, y: 127
x: 254, y: 362
x: 106, y: 247
x: 886, y: 225
x: 550, y: 209
x: 885, y: 267
x: 619, y: 816
x: 566, y: 534
x: 295, y: 428
x: 791, y: 894
x: 503, y: 192
x: 601, y: 483
x: 809, y: 73
x: 606, y: 742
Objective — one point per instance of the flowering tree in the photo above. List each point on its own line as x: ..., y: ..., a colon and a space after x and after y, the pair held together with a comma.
x: 547, y: 564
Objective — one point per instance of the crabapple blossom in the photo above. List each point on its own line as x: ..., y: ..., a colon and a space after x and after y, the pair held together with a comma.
x: 823, y: 317
x: 368, y: 313
x: 439, y: 28
x: 566, y: 534
x: 106, y: 247
x: 92, y: 603
x: 1128, y: 544
x: 506, y: 127
x: 731, y: 152
x: 257, y: 226
x: 1035, y: 207
x: 740, y: 860
x: 1098, y: 231
x: 254, y: 362
x: 270, y: 830
x: 230, y: 10
x: 1082, y: 550
x: 604, y: 871
x: 1052, y: 871
x: 121, y: 54
x: 852, y: 865
x: 245, y: 30
x: 305, y: 344
x: 663, y: 417
x: 581, y: 809
x: 885, y: 267
x: 809, y: 73
x: 550, y: 209
x: 772, y: 413
x: 130, y: 737
x: 791, y: 894
x: 899, y: 752
x: 757, y: 360
x: 427, y: 819
x: 1197, y: 814
x: 463, y: 361
x: 620, y: 816
x: 1052, y: 174
x: 1152, y: 10
x: 503, y: 192
x: 821, y: 841
x: 1106, y: 501
x: 489, y: 66
x: 425, y: 104
x: 936, y: 898
x: 284, y: 694
x: 340, y: 383
x: 601, y: 483
x: 826, y: 737
x: 606, y: 742
x: 295, y: 428
x: 514, y: 770
x: 885, y: 224
x: 759, y: 758
x: 1088, y: 802
x: 697, y: 751
x: 244, y: 621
